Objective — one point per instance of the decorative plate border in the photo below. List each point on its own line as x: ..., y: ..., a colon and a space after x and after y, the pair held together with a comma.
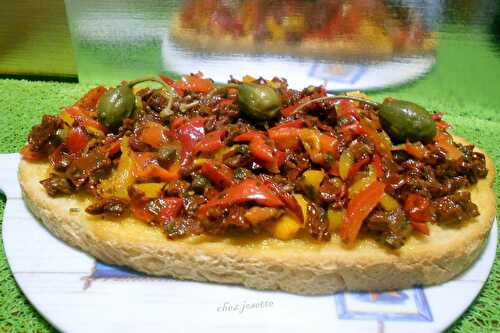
x: 417, y: 294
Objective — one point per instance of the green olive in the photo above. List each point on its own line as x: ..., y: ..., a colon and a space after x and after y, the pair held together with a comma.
x: 116, y: 105
x: 259, y: 101
x: 406, y: 121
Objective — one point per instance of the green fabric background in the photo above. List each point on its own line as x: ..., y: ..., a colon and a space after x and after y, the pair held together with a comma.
x: 466, y: 89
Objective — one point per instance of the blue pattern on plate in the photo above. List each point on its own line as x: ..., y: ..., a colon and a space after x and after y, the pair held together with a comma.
x: 103, y: 270
x: 395, y: 297
x: 404, y: 305
x: 341, y: 73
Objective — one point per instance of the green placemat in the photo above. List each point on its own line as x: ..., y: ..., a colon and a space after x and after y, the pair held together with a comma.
x: 24, y: 102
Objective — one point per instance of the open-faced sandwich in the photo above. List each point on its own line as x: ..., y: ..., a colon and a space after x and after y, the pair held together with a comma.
x: 257, y: 184
x: 340, y: 29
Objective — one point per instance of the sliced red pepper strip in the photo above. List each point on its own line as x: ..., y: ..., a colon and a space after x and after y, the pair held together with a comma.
x: 291, y: 108
x: 167, y: 79
x: 286, y: 135
x: 210, y: 142
x: 140, y: 211
x: 219, y: 174
x: 415, y: 150
x: 329, y: 144
x: 334, y: 170
x: 30, y: 155
x: 382, y: 146
x: 443, y: 125
x: 440, y: 123
x: 357, y: 166
x: 347, y: 108
x: 358, y: 209
x: 192, y: 82
x: 84, y: 118
x: 445, y: 141
x: 351, y: 129
x: 169, y: 208
x: 421, y: 227
x: 110, y: 148
x: 154, y: 135
x: 147, y: 166
x: 57, y: 155
x: 89, y: 101
x: 287, y: 198
x: 226, y: 101
x: 247, y: 191
x: 417, y: 208
x: 174, y: 84
x: 177, y: 122
x: 196, y: 83
x: 289, y: 124
x: 188, y: 133
x: 285, y: 138
x: 269, y: 157
x: 77, y: 140
x: 377, y: 165
x: 260, y: 150
x: 248, y: 136
x: 74, y: 143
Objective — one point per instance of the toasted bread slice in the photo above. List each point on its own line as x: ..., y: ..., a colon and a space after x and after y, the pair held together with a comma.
x: 298, y: 266
x: 340, y: 48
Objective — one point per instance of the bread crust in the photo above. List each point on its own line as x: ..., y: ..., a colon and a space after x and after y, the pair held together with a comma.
x: 297, y: 266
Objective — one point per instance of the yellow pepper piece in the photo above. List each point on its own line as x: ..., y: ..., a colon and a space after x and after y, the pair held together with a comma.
x: 121, y: 178
x: 389, y: 203
x: 277, y: 32
x: 199, y: 161
x: 95, y: 132
x: 312, y: 144
x: 314, y: 178
x: 151, y: 190
x: 219, y: 155
x: 294, y: 23
x: 248, y: 79
x: 335, y: 217
x: 345, y: 163
x: 357, y: 93
x: 66, y: 117
x: 362, y: 183
x: 302, y: 203
x: 374, y: 34
x: 285, y: 228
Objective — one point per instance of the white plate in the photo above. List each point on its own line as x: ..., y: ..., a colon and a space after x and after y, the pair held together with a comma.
x: 77, y: 294
x: 300, y: 72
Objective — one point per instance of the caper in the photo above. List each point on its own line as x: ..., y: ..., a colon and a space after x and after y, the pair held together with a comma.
x: 406, y: 121
x: 166, y: 155
x: 199, y: 183
x: 259, y: 101
x: 329, y: 158
x: 242, y: 149
x: 241, y: 173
